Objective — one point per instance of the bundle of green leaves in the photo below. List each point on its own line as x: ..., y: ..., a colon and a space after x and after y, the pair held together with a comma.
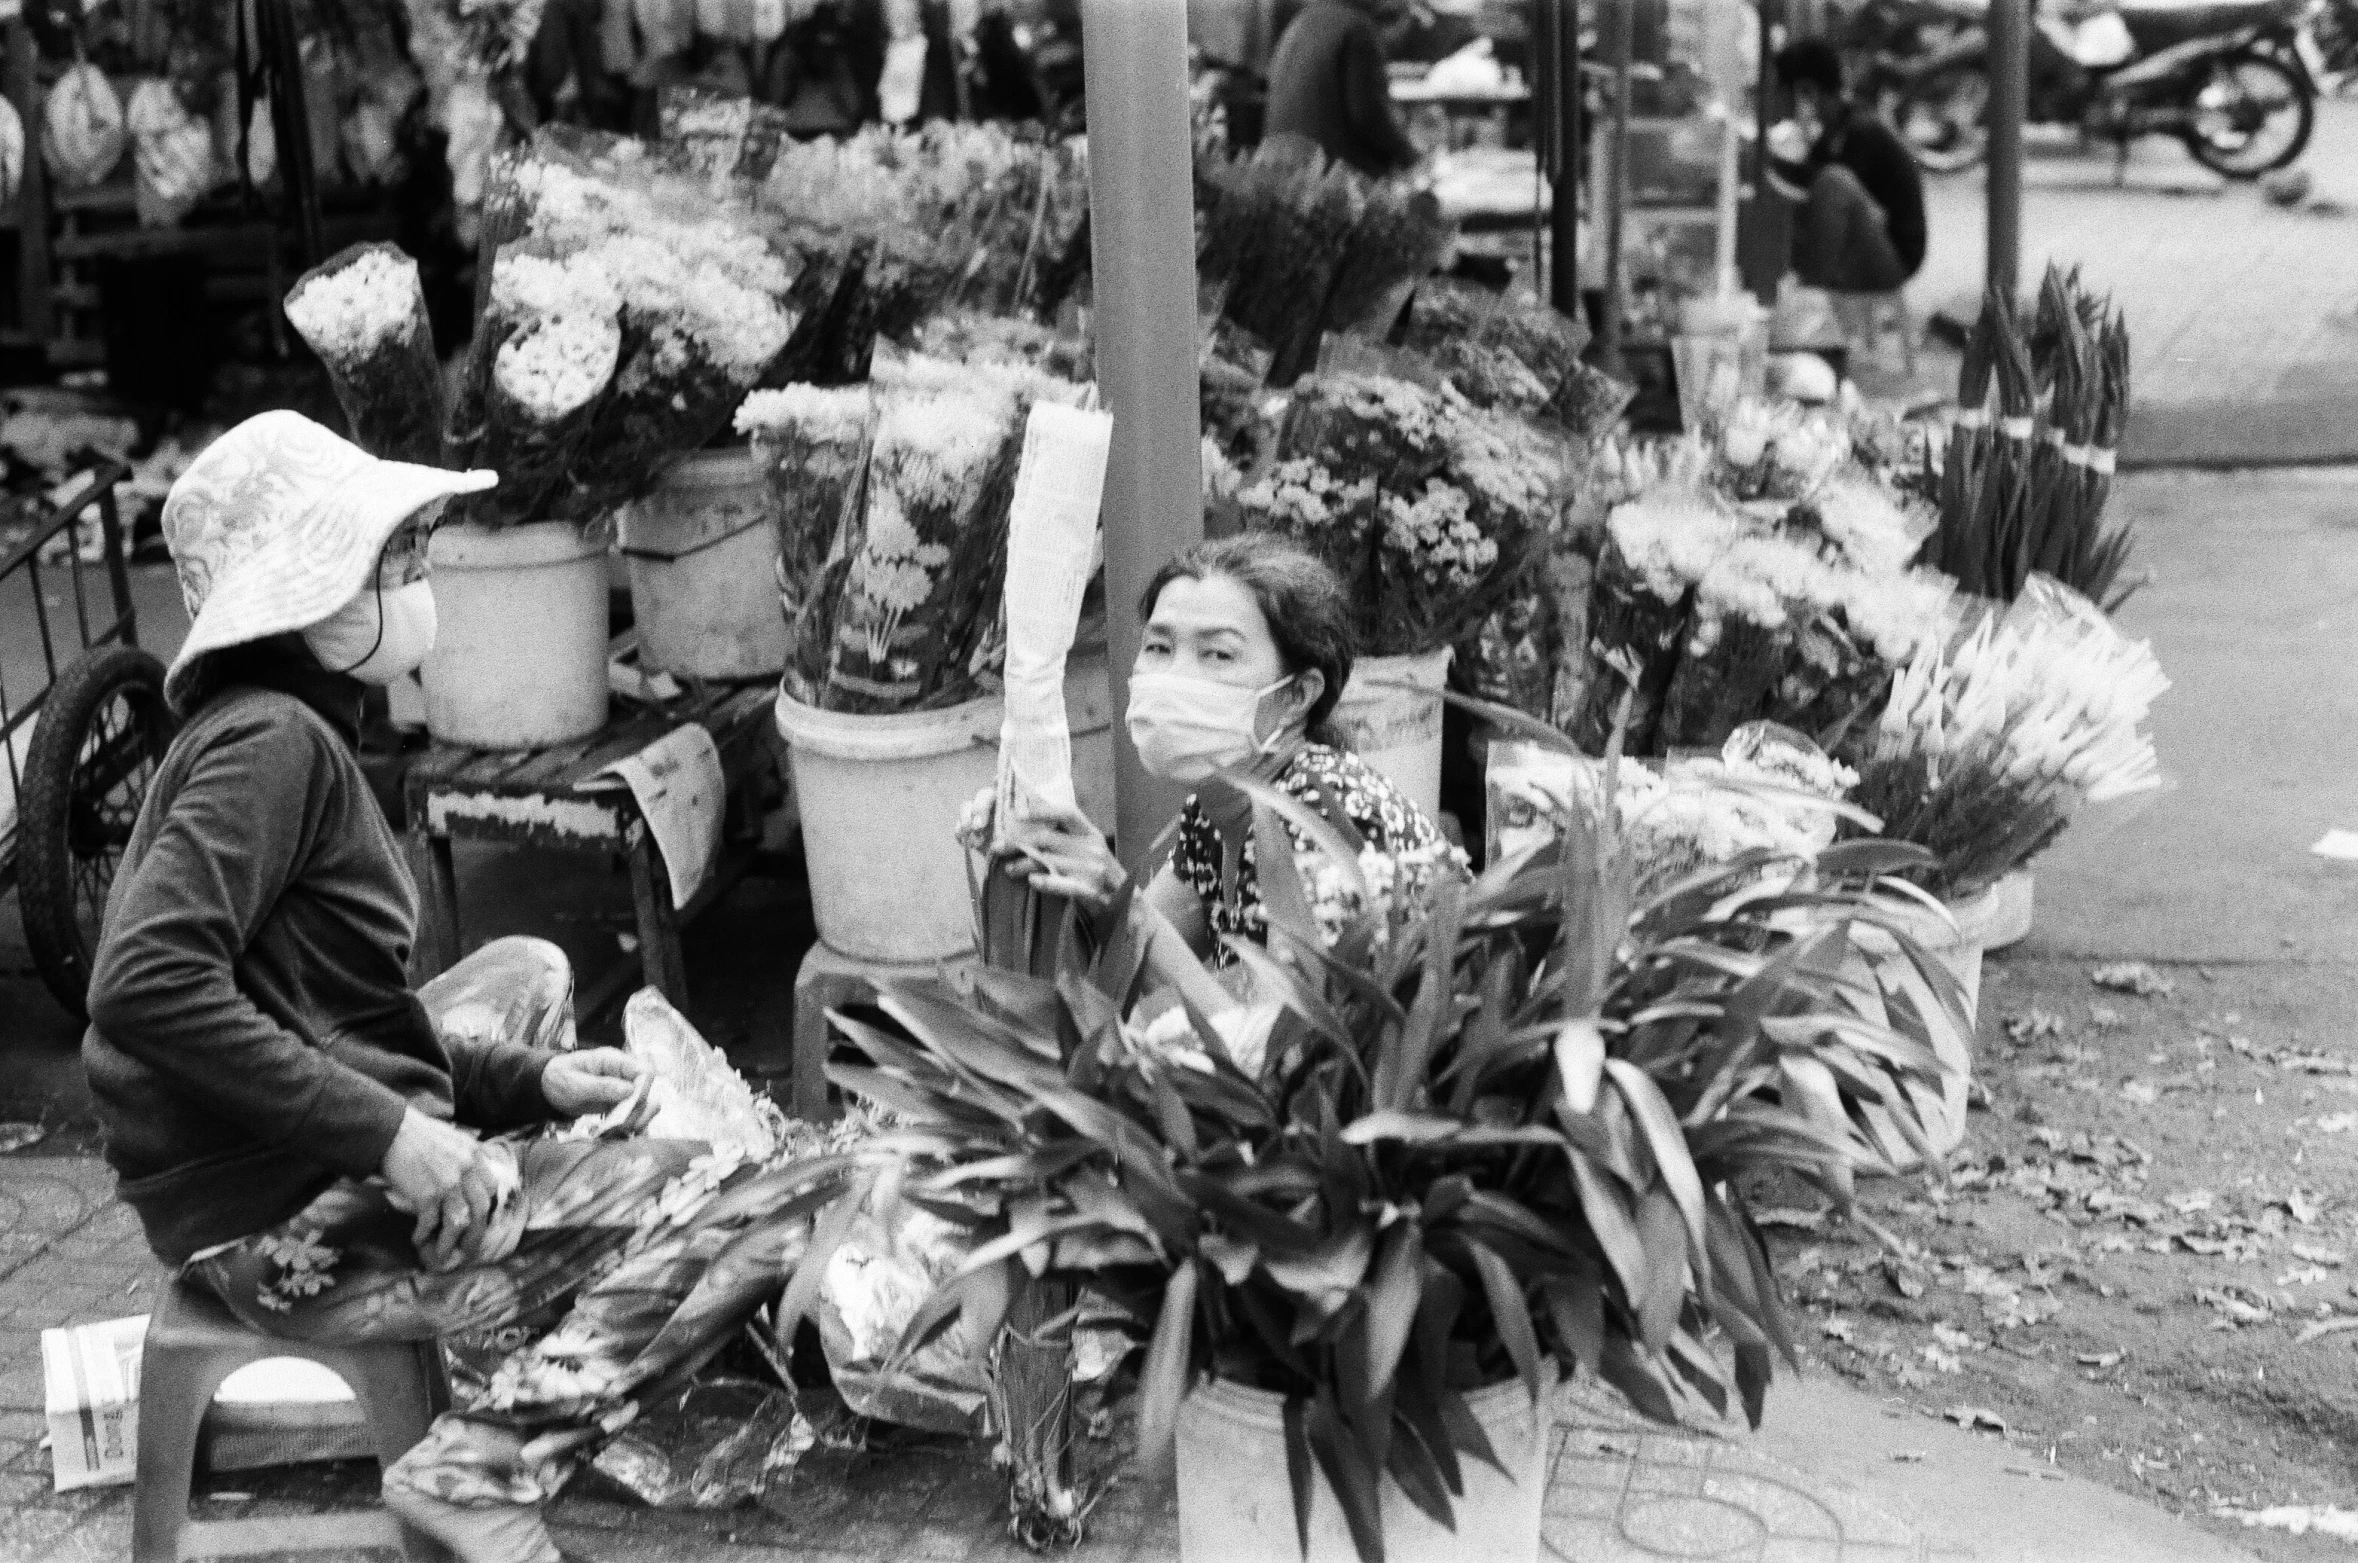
x: 1495, y: 1138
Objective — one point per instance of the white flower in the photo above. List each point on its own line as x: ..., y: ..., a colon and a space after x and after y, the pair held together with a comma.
x: 1671, y: 538
x: 815, y: 413
x: 355, y: 310
x: 532, y: 287
x: 557, y: 366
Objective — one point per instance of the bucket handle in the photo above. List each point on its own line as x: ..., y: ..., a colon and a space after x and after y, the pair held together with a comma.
x: 661, y: 557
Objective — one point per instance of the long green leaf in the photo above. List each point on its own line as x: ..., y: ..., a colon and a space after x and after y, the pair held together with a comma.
x: 1667, y: 1141
x: 1164, y: 1380
x: 1511, y: 1311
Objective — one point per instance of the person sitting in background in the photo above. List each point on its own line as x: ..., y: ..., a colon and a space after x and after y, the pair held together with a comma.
x: 1860, y: 227
x: 1327, y: 86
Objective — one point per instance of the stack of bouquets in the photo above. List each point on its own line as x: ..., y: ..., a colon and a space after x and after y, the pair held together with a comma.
x: 363, y: 312
x: 1704, y: 616
x: 901, y: 609
x: 1767, y: 791
x: 1506, y: 353
x: 2028, y: 466
x: 1427, y: 508
x: 893, y: 226
x: 1993, y: 738
x: 628, y: 311
x: 1295, y: 246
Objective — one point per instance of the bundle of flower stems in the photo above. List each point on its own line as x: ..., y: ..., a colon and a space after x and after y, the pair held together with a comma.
x: 2030, y: 459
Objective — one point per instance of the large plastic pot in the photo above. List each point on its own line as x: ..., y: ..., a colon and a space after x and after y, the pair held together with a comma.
x: 1236, y: 1504
x: 703, y: 562
x: 1397, y: 730
x: 1957, y: 943
x: 880, y: 797
x: 520, y: 656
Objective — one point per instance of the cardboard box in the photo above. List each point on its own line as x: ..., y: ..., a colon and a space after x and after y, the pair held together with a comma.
x: 279, y: 1411
x: 92, y: 1373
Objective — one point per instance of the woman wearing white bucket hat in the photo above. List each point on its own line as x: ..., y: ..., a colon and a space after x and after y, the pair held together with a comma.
x: 282, y: 1109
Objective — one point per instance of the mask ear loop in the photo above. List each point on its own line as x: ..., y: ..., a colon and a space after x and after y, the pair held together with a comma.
x: 378, y: 644
x: 1276, y: 739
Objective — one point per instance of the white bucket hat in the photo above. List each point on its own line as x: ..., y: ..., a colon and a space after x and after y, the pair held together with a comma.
x: 278, y: 524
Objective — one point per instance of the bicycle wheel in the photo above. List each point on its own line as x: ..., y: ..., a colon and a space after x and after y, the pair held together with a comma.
x: 2252, y: 116
x: 103, y: 730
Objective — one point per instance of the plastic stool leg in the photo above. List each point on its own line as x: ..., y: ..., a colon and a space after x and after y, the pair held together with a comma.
x: 174, y: 1392
x: 401, y: 1390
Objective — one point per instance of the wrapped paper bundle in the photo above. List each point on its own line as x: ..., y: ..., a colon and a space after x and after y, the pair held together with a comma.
x: 364, y: 313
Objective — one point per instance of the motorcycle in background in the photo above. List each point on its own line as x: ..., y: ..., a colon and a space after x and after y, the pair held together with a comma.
x: 2227, y: 79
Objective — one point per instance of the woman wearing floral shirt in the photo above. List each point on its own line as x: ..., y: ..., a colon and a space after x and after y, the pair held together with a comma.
x: 1246, y: 651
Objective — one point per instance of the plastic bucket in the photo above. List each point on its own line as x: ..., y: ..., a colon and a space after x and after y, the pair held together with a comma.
x: 2010, y: 920
x: 520, y: 656
x: 1236, y: 1504
x: 703, y: 561
x: 880, y: 798
x: 1396, y: 730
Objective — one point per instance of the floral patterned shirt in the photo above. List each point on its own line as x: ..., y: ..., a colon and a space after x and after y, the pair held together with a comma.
x: 1384, y: 816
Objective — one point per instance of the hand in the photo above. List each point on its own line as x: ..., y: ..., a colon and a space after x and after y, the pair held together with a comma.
x: 453, y: 1183
x: 598, y: 1080
x: 1061, y: 853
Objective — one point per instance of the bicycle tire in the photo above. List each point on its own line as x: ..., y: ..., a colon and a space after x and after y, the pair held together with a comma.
x: 60, y: 869
x: 2304, y: 107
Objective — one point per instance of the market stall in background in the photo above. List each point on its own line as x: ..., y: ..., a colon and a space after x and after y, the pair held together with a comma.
x: 810, y: 341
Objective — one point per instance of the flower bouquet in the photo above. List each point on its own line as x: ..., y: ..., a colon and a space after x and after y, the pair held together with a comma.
x: 1523, y: 358
x: 2028, y: 467
x: 1429, y: 509
x: 905, y: 614
x: 1656, y: 551
x: 689, y: 291
x: 1483, y: 1140
x: 363, y: 312
x: 1989, y: 744
x: 1767, y: 793
x: 1276, y: 233
x: 812, y: 446
x: 547, y: 350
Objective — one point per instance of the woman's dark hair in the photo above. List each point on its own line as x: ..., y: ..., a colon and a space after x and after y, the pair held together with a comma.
x: 1307, y: 609
x: 1811, y: 62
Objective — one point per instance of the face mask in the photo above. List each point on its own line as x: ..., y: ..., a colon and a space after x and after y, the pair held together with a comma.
x: 379, y: 636
x: 1186, y: 728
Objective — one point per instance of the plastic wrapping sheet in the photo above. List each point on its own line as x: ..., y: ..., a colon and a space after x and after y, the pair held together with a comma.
x: 875, y: 1283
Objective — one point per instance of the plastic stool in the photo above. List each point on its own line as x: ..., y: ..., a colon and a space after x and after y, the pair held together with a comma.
x: 193, y: 1344
x: 830, y: 979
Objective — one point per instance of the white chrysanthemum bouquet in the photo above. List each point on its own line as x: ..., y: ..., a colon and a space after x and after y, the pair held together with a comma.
x: 363, y: 312
x: 628, y: 311
x: 1991, y: 742
x: 1706, y: 614
x: 901, y: 609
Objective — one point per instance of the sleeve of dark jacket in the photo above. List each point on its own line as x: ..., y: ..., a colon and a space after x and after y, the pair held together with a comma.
x: 164, y: 990
x: 1367, y: 99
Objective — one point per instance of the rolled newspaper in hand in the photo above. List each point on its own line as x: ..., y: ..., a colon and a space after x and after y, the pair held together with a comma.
x: 1051, y: 553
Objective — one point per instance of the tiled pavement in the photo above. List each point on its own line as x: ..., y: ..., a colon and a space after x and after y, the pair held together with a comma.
x: 2243, y: 315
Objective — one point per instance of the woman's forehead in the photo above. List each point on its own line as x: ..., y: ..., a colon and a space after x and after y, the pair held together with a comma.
x: 1213, y: 603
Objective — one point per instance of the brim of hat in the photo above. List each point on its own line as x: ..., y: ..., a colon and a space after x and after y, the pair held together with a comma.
x: 318, y: 564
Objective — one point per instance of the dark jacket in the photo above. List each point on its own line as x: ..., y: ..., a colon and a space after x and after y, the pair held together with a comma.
x: 1872, y: 150
x: 253, y: 1035
x: 1327, y: 85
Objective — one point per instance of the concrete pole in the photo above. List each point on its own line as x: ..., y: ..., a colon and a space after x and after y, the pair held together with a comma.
x: 1561, y: 38
x: 1142, y: 235
x: 2009, y: 87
